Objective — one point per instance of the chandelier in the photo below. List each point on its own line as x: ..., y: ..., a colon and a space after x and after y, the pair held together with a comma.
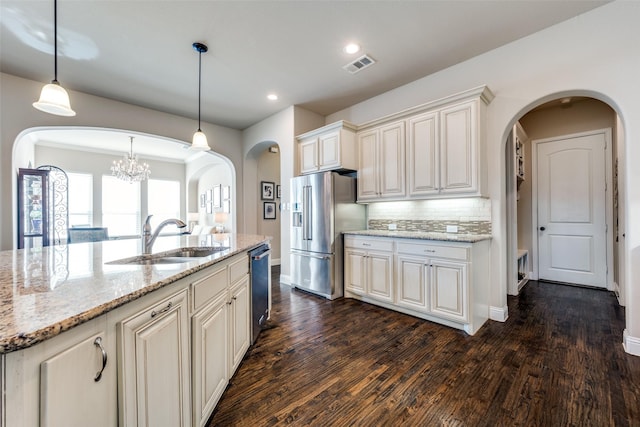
x: 129, y: 169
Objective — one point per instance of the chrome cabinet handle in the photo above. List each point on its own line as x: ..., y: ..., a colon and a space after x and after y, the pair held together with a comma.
x: 98, y: 343
x: 366, y: 244
x: 430, y: 250
x: 164, y: 310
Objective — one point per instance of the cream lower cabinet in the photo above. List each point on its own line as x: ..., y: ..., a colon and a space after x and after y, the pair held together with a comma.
x: 369, y: 267
x: 154, y: 363
x: 68, y: 380
x: 221, y: 331
x: 445, y: 282
x: 240, y: 316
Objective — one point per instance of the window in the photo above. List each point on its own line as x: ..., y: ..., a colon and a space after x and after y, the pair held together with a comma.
x: 163, y: 202
x: 120, y: 206
x: 80, y: 199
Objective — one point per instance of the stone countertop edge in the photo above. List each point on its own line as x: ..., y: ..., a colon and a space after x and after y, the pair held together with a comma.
x: 423, y: 235
x: 27, y: 319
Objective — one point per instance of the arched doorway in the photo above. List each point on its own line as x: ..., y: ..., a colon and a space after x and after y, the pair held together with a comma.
x: 90, y: 151
x: 564, y: 115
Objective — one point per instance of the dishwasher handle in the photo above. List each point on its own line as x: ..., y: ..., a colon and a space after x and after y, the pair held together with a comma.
x: 261, y: 255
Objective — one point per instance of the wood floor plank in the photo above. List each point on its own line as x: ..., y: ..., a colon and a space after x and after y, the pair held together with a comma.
x: 557, y: 361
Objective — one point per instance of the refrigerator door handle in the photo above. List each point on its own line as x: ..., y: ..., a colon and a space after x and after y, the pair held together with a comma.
x: 306, y: 203
x: 307, y: 254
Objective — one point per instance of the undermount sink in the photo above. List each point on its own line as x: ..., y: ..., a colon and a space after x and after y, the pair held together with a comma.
x: 176, y: 256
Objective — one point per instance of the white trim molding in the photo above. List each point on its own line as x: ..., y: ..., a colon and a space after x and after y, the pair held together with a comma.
x: 285, y: 279
x: 631, y: 344
x: 499, y: 314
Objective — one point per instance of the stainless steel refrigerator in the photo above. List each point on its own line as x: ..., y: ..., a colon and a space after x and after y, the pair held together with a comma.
x: 322, y: 207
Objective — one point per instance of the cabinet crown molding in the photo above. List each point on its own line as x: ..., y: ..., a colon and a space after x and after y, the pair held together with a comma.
x: 481, y: 92
x: 340, y: 124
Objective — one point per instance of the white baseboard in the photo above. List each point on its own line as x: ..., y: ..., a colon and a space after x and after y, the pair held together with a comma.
x: 285, y: 279
x: 275, y: 261
x: 499, y: 314
x: 631, y: 344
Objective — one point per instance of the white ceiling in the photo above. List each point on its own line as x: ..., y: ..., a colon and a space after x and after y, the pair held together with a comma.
x: 140, y: 51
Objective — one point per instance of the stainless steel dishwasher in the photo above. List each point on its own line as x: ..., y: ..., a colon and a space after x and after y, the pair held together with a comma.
x: 260, y: 282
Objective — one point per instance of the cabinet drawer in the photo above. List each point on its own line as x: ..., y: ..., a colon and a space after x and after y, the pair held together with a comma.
x: 450, y: 252
x: 369, y: 244
x: 204, y: 290
x: 238, y: 268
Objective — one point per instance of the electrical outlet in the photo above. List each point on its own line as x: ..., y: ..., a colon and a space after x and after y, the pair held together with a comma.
x: 392, y: 226
x: 452, y: 228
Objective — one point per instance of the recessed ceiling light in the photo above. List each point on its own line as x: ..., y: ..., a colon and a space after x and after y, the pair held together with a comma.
x: 272, y: 97
x: 351, y: 48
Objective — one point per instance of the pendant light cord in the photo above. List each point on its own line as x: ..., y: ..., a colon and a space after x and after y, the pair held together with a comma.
x: 55, y: 41
x: 199, y: 85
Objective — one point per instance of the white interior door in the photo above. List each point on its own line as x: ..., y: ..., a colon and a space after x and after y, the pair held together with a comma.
x: 572, y: 209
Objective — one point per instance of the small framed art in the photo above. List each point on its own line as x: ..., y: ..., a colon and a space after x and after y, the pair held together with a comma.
x: 278, y: 191
x: 269, y: 210
x: 267, y: 190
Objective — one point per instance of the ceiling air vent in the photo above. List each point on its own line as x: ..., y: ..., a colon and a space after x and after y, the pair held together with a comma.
x: 359, y: 64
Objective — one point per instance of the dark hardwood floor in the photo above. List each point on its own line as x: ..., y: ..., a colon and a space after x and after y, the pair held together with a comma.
x: 557, y: 361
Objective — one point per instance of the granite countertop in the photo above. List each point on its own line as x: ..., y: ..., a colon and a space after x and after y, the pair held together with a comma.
x: 46, y: 291
x: 423, y: 235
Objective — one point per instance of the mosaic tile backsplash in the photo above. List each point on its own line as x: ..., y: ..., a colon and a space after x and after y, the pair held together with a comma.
x: 471, y: 215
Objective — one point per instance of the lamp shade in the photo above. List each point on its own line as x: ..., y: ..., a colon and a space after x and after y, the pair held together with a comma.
x: 200, y: 141
x: 220, y: 217
x: 54, y: 100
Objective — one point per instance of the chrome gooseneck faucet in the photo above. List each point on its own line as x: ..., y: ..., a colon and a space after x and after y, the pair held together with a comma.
x: 149, y: 238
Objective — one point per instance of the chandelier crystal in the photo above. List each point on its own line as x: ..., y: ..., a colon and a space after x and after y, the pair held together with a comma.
x: 129, y: 169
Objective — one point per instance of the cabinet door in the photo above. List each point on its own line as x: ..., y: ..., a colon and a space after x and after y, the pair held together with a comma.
x: 329, y: 151
x: 308, y: 155
x: 458, y: 149
x: 210, y: 357
x: 448, y: 284
x: 380, y: 276
x: 155, y: 374
x: 391, y: 161
x: 368, y: 165
x: 240, y: 315
x: 422, y: 155
x: 71, y: 391
x: 411, y: 282
x: 354, y: 271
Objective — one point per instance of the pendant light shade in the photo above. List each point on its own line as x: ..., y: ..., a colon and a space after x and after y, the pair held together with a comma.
x: 53, y: 98
x: 199, y: 138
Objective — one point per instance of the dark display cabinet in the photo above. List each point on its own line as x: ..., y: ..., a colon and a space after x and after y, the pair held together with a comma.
x: 42, y: 207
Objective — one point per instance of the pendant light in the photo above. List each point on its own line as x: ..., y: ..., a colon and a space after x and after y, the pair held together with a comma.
x: 199, y: 138
x: 53, y: 98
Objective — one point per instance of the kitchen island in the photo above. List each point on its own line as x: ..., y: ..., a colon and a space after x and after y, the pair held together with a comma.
x: 441, y: 277
x: 86, y: 336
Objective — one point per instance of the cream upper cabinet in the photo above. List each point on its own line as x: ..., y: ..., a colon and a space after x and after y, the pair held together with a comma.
x: 459, y: 149
x: 331, y: 147
x: 422, y: 155
x: 381, y: 172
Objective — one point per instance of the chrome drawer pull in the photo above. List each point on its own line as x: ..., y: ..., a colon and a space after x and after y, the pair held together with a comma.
x: 164, y: 310
x: 98, y: 343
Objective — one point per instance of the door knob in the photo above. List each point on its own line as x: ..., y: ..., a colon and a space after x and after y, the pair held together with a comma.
x: 542, y: 228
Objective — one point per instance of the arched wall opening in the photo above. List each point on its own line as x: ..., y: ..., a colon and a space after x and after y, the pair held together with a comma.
x: 556, y: 115
x: 263, y: 186
x: 92, y: 150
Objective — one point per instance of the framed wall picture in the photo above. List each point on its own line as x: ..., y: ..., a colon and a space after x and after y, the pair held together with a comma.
x: 203, y: 200
x: 226, y: 192
x: 226, y: 206
x: 278, y: 191
x: 209, y: 207
x: 267, y: 190
x: 217, y: 196
x: 269, y: 210
x: 209, y: 196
